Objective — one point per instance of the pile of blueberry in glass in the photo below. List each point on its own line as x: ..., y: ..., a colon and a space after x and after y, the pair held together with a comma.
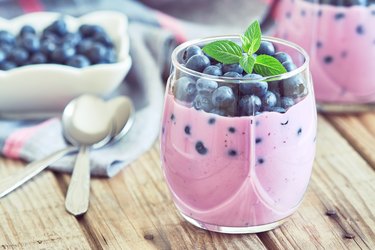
x: 88, y: 46
x: 236, y: 99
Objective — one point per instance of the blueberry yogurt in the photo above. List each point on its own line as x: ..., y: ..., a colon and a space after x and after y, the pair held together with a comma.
x: 237, y: 147
x: 340, y: 38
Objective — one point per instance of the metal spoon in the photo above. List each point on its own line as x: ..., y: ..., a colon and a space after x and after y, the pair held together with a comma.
x: 89, y: 122
x: 12, y: 182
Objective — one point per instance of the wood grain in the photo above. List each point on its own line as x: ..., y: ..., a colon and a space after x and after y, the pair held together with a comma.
x: 33, y: 216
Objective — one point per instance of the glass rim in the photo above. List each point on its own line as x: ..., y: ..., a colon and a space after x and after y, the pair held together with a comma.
x: 275, y: 40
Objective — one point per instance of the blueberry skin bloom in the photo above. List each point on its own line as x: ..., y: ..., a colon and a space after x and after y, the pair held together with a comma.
x: 186, y: 89
x: 249, y: 105
x: 223, y: 97
x: 198, y: 63
x: 266, y: 48
x: 213, y: 70
x: 283, y: 57
x: 257, y: 88
x: 191, y: 51
x: 205, y: 86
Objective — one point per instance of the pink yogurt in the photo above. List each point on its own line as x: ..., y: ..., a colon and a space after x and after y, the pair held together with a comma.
x: 255, y: 170
x: 341, y: 44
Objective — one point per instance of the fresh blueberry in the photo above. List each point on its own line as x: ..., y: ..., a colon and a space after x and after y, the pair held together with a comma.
x: 223, y: 97
x: 293, y: 86
x: 47, y: 47
x: 3, y: 56
x: 250, y: 104
x: 19, y: 56
x: 283, y: 57
x: 62, y: 54
x: 49, y: 36
x: 58, y: 27
x: 6, y: 48
x: 266, y: 48
x: 218, y: 111
x: 219, y: 65
x: 233, y: 74
x: 78, y: 61
x: 286, y: 102
x: 38, y: 58
x: 213, y: 70
x: 88, y: 30
x: 84, y: 46
x: 72, y: 39
x: 7, y: 65
x: 205, y: 86
x: 27, y: 29
x: 198, y: 63
x: 7, y: 38
x: 186, y: 89
x: 191, y: 51
x: 258, y: 88
x: 104, y: 39
x: 232, y: 68
x: 111, y: 56
x: 30, y: 42
x: 289, y: 66
x: 203, y: 102
x: 277, y: 109
x: 269, y: 100
x: 96, y: 53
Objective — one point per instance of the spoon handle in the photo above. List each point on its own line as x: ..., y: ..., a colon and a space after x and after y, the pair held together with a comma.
x: 12, y: 182
x: 77, y: 197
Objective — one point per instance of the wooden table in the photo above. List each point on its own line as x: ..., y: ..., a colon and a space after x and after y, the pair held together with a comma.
x: 134, y: 210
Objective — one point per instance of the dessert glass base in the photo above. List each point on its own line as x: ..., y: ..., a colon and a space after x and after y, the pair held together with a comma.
x: 233, y: 230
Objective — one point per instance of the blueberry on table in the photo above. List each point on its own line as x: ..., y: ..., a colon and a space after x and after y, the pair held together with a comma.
x: 27, y: 29
x: 58, y: 27
x: 78, y: 61
x: 19, y: 56
x: 286, y: 102
x: 186, y: 89
x: 289, y: 66
x: 203, y: 102
x: 88, y: 30
x: 38, y: 58
x: 258, y: 88
x: 7, y: 65
x: 233, y: 74
x: 7, y: 38
x: 205, y: 86
x: 283, y: 57
x: 30, y: 42
x: 62, y: 54
x: 266, y: 48
x: 250, y: 104
x: 235, y: 67
x: 293, y: 86
x: 96, y: 53
x: 198, y: 63
x: 213, y: 70
x: 191, y: 51
x: 223, y: 97
x: 269, y: 101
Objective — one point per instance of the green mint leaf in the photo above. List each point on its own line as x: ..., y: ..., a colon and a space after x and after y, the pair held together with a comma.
x: 247, y: 63
x: 268, y: 66
x: 245, y: 43
x: 254, y: 34
x: 224, y: 51
x: 252, y: 49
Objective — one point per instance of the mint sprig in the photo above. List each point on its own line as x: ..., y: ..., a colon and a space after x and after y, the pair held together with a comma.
x: 229, y: 52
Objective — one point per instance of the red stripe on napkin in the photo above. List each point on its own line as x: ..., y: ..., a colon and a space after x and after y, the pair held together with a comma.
x: 171, y: 24
x: 30, y: 5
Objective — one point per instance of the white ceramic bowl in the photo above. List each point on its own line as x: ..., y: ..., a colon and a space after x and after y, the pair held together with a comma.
x: 48, y: 88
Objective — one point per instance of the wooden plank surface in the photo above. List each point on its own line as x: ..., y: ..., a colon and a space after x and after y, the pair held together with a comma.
x: 134, y: 210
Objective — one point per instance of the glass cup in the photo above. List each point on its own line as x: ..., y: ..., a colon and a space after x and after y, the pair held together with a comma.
x: 239, y: 168
x: 339, y: 36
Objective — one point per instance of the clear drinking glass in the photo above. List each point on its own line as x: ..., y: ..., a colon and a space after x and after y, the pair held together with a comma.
x: 339, y: 36
x: 234, y: 171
